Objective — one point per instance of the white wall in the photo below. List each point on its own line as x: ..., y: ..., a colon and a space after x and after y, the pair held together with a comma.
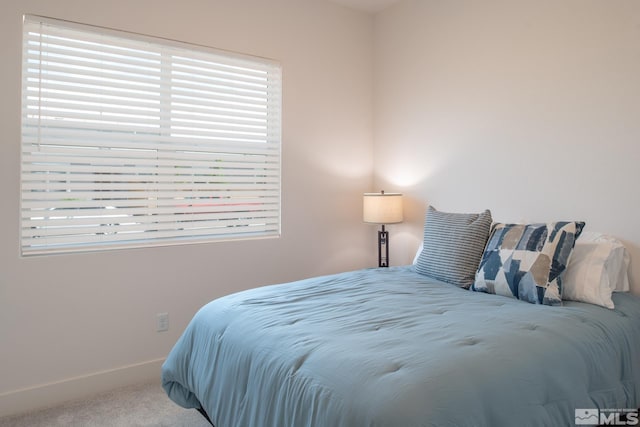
x: 73, y: 324
x: 529, y: 108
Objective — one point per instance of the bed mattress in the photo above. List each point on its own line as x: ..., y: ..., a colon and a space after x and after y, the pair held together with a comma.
x: 391, y: 347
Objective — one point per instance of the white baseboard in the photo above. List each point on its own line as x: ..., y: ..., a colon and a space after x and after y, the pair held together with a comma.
x: 52, y: 394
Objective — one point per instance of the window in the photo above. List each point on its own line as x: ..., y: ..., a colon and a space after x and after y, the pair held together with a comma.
x: 129, y: 140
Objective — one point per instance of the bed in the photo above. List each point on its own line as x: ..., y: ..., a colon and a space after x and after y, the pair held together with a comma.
x: 494, y: 325
x: 393, y: 347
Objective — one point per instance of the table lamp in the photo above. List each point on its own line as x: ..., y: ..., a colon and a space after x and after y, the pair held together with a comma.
x: 382, y: 208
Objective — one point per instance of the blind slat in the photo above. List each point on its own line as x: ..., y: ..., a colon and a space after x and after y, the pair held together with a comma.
x: 59, y: 139
x: 267, y: 183
x: 174, y: 196
x: 98, y: 235
x: 119, y: 222
x: 144, y: 209
x: 221, y: 160
x: 97, y: 88
x: 64, y: 54
x: 97, y: 172
x: 59, y: 33
x: 211, y: 204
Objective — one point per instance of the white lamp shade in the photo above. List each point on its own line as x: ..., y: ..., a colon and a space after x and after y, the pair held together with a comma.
x: 382, y: 208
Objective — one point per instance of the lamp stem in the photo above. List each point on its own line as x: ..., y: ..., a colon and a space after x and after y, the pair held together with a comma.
x: 383, y: 240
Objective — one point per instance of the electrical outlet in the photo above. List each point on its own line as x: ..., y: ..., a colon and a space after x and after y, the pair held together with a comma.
x: 162, y: 323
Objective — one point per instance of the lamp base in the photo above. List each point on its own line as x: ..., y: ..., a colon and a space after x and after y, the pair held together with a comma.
x: 383, y: 241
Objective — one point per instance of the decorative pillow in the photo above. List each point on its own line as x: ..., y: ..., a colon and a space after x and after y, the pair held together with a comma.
x: 526, y: 261
x: 453, y: 245
x: 599, y: 266
x: 418, y: 252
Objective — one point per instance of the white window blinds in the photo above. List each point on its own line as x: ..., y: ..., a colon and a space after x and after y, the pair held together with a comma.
x: 133, y: 141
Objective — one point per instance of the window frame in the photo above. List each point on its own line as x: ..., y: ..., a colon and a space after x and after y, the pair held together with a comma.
x: 230, y: 190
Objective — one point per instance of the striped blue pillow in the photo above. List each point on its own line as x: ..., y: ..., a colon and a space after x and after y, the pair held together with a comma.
x: 453, y: 245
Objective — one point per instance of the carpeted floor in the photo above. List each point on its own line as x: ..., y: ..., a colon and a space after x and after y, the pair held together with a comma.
x: 135, y: 406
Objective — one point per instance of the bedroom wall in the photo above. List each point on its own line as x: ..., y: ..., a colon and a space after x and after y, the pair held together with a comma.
x: 77, y: 324
x: 529, y: 108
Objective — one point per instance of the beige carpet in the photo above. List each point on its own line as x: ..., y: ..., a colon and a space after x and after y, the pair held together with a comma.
x: 139, y: 405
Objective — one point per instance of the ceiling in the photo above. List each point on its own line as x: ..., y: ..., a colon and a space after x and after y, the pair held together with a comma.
x: 371, y: 6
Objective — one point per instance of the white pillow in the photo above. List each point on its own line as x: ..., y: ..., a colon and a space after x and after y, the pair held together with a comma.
x: 598, y: 266
x: 418, y: 252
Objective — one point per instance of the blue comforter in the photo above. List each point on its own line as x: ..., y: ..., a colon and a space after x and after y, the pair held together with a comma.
x: 390, y: 347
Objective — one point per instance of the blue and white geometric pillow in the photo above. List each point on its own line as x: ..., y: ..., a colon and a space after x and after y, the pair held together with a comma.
x: 526, y: 261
